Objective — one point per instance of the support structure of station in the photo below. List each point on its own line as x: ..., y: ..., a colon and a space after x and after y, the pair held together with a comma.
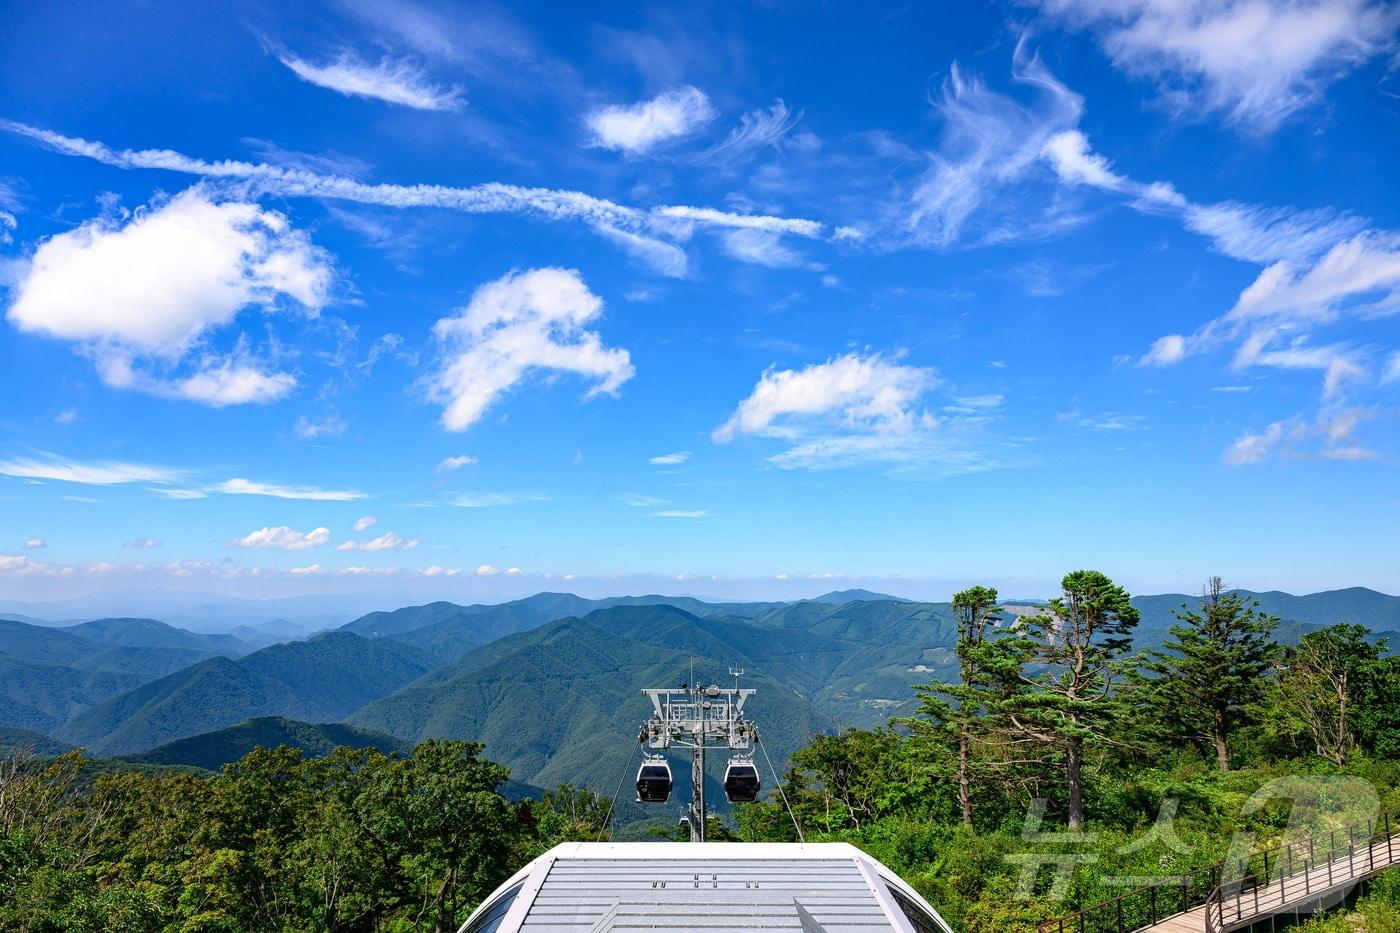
x: 700, y: 717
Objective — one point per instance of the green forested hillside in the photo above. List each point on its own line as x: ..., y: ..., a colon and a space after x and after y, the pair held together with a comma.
x: 213, y: 750
x: 553, y: 703
x: 44, y: 696
x: 323, y: 678
x: 14, y: 741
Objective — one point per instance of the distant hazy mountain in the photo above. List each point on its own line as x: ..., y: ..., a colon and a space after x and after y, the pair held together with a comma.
x: 213, y: 750
x: 323, y: 678
x: 294, y: 616
x: 148, y: 633
x: 1297, y: 614
x: 841, y: 597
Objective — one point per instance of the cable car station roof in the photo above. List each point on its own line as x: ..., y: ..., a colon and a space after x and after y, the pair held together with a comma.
x: 587, y: 887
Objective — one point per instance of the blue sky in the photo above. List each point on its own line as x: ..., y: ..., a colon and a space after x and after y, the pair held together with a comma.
x: 734, y: 300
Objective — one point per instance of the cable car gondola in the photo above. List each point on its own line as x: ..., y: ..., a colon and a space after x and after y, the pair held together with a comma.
x: 741, y: 780
x: 654, y: 780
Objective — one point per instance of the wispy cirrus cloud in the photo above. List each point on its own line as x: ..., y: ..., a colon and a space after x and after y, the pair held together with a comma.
x: 393, y: 81
x: 452, y: 464
x: 640, y: 501
x: 486, y: 500
x: 672, y: 459
x: 990, y: 145
x: 654, y: 235
x: 244, y: 487
x: 1320, y: 268
x: 1256, y: 62
x: 47, y: 466
x: 757, y: 130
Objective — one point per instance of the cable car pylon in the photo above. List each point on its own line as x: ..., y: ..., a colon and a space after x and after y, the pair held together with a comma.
x: 698, y: 717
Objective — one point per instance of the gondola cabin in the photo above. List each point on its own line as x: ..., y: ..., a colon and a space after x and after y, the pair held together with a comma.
x: 741, y: 781
x: 654, y: 781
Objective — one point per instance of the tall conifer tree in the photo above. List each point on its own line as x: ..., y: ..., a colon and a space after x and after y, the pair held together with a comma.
x: 1211, y: 671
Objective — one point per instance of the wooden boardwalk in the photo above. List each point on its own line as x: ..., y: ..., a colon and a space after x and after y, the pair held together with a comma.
x: 1307, y: 875
x: 1233, y: 909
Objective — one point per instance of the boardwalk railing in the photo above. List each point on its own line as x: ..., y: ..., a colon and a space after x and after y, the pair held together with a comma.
x: 1314, y: 869
x: 1227, y: 889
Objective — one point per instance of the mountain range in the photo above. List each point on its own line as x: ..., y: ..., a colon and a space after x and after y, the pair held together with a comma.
x: 551, y: 683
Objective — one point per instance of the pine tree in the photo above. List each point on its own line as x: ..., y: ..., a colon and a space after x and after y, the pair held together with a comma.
x: 956, y: 710
x: 1081, y: 643
x: 1212, y: 670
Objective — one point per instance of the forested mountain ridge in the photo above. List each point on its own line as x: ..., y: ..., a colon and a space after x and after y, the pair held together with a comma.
x: 212, y: 750
x: 323, y: 678
x: 853, y: 666
x: 817, y: 667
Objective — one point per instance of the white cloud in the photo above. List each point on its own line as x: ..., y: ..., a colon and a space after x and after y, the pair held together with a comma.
x: 516, y: 326
x: 389, y: 541
x: 863, y: 393
x: 284, y: 538
x: 648, y: 228
x: 310, y: 570
x: 757, y: 129
x: 35, y: 544
x: 990, y: 143
x: 1320, y: 268
x: 142, y: 543
x: 243, y: 487
x: 1392, y: 369
x: 438, y: 571
x: 330, y: 425
x: 858, y: 411
x: 680, y: 456
x: 1072, y: 160
x: 364, y: 523
x: 152, y: 285
x: 761, y: 248
x: 681, y: 513
x: 1329, y: 433
x: 639, y: 501
x: 1258, y: 62
x: 1165, y: 351
x: 227, y: 382
x: 486, y: 500
x: 665, y: 258
x: 638, y: 128
x: 101, y: 473
x: 487, y: 570
x: 1107, y: 421
x: 8, y: 224
x: 450, y: 464
x: 395, y: 82
x: 178, y: 494
x: 66, y: 417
